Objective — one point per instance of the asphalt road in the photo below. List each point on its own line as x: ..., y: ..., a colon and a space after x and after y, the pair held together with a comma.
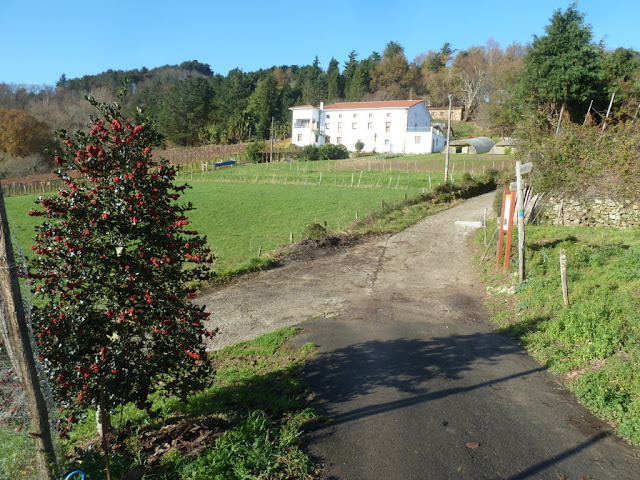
x: 417, y: 383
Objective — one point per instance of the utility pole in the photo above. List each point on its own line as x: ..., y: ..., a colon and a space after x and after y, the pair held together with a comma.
x: 20, y: 343
x: 271, y: 154
x: 446, y: 162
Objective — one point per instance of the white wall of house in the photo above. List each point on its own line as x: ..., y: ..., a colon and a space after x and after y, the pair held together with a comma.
x: 307, y: 127
x: 383, y: 129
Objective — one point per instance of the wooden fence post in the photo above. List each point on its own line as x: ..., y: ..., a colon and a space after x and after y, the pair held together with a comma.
x: 563, y: 277
x: 20, y: 343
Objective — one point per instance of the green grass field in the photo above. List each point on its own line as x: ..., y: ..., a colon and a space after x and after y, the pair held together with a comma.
x: 250, y: 206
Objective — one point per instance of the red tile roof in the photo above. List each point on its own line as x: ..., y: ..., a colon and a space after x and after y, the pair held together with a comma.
x: 378, y: 104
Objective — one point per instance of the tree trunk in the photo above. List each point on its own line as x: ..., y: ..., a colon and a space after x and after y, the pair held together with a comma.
x: 20, y: 342
x: 104, y: 424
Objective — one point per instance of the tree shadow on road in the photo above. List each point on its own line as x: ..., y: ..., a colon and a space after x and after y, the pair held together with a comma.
x: 416, y: 370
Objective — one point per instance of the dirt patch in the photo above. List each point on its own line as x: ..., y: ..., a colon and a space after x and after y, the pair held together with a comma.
x: 190, y: 436
x: 312, y: 248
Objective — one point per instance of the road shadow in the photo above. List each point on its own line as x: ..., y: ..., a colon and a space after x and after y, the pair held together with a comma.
x: 407, y: 366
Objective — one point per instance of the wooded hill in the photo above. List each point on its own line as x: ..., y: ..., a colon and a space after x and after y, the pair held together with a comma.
x: 499, y: 87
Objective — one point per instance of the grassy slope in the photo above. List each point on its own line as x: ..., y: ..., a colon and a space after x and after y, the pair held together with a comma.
x: 243, y: 208
x: 238, y: 218
x: 595, y: 341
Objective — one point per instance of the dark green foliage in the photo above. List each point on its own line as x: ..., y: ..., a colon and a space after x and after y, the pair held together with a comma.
x: 186, y: 110
x: 563, y: 67
x: 196, y: 66
x: 114, y: 269
x: 335, y: 87
x: 310, y: 153
x: 331, y: 151
x: 263, y: 105
x: 622, y: 73
x: 392, y: 49
x: 254, y: 151
x: 359, y: 146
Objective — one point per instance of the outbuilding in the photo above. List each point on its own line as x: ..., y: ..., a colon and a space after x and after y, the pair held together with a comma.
x: 503, y: 147
x: 472, y: 145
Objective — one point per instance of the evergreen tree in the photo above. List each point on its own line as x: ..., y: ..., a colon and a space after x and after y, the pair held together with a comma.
x: 186, y: 109
x: 334, y: 82
x: 622, y: 73
x: 562, y: 68
x: 263, y: 105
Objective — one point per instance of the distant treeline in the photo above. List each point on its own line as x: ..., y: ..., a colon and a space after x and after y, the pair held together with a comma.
x: 563, y: 70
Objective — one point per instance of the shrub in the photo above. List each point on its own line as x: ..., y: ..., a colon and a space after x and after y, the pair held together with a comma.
x: 584, y: 162
x: 254, y: 151
x: 310, y: 152
x: 315, y: 231
x: 330, y: 151
x: 359, y: 146
x: 114, y: 267
x: 12, y: 167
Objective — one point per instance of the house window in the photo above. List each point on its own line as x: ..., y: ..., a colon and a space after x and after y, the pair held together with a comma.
x: 339, y: 127
x: 340, y: 115
x: 387, y: 127
x: 316, y: 138
x: 328, y: 126
x: 339, y: 140
x: 355, y: 115
x: 386, y: 142
x: 388, y: 114
x: 370, y: 115
x: 418, y: 138
x: 328, y: 116
x: 299, y: 137
x: 370, y: 125
x: 354, y: 125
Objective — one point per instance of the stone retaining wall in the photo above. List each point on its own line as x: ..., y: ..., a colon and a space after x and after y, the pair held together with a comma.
x: 594, y: 213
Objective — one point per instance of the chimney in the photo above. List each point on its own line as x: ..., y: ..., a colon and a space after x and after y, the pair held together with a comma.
x: 321, y: 105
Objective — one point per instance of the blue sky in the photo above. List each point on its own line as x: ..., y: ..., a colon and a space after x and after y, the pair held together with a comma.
x: 42, y: 39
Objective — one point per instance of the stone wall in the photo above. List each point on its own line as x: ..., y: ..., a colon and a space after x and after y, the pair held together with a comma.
x: 442, y: 113
x: 593, y: 213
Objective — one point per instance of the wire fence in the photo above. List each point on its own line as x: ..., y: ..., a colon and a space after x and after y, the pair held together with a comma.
x: 368, y: 172
x: 17, y: 449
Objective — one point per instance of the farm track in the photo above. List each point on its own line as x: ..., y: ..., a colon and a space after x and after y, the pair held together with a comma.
x: 416, y: 381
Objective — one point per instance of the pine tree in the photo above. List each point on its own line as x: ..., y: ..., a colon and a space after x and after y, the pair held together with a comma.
x: 562, y: 68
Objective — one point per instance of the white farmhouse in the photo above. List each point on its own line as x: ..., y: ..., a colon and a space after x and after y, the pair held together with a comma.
x: 397, y: 126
